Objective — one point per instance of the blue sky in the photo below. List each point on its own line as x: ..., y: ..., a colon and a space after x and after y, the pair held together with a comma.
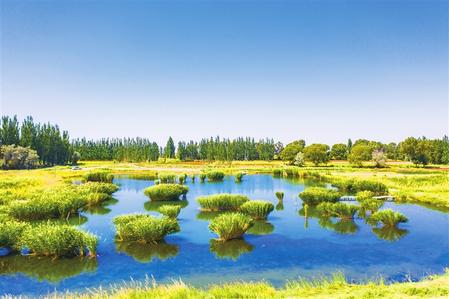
x: 319, y: 70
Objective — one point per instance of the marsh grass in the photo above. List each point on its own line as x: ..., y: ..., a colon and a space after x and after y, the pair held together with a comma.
x: 147, y: 176
x: 239, y: 177
x: 230, y: 225
x: 167, y: 178
x: 99, y: 176
x: 171, y: 211
x: 10, y: 234
x: 316, y: 195
x: 231, y: 249
x: 203, y: 177
x: 166, y: 192
x: 388, y: 218
x: 257, y: 209
x: 144, y: 228
x: 340, y: 210
x: 215, y: 176
x: 222, y: 202
x: 155, y: 205
x: 357, y: 185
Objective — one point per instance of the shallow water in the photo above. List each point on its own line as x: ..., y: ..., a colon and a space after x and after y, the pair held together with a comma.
x: 286, y: 247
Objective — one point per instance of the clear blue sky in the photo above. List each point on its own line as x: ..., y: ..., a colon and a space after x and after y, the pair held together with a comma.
x: 319, y: 70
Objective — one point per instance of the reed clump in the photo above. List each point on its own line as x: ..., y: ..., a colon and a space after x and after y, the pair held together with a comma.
x: 166, y: 192
x: 230, y: 225
x: 222, y: 202
x: 279, y: 195
x: 99, y: 176
x: 257, y: 209
x: 239, y: 177
x: 388, y: 218
x: 215, y: 176
x: 354, y: 185
x: 316, y: 195
x: 340, y: 210
x: 167, y: 178
x: 171, y: 211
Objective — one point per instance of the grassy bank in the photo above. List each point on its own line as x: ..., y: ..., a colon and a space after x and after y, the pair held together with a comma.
x: 335, y: 287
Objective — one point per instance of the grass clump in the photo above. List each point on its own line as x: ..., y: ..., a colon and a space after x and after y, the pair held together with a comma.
x: 167, y: 178
x: 339, y: 209
x: 277, y: 172
x: 353, y: 186
x: 280, y: 195
x: 47, y: 239
x: 98, y: 187
x: 144, y: 228
x: 203, y: 177
x: 222, y: 202
x: 230, y: 225
x: 257, y: 209
x: 99, y: 176
x: 239, y: 177
x: 166, y: 192
x: 10, y: 233
x: 388, y: 218
x: 182, y: 178
x: 215, y: 176
x: 316, y: 195
x: 171, y: 211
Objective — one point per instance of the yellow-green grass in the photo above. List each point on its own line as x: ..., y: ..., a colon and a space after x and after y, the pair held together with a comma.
x: 333, y: 287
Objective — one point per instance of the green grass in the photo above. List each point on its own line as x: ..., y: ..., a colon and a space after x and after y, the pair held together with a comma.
x: 171, y: 211
x: 215, y: 176
x: 222, y: 202
x: 10, y: 234
x: 99, y: 176
x: 316, y: 195
x: 279, y: 195
x: 166, y: 192
x: 230, y: 225
x: 239, y: 177
x: 167, y: 178
x: 203, y: 177
x: 144, y: 228
x: 388, y: 218
x: 357, y: 185
x: 257, y: 209
x: 340, y: 210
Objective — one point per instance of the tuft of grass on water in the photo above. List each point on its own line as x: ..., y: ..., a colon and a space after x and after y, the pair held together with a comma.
x: 203, y: 177
x: 257, y: 209
x: 239, y: 177
x: 166, y: 192
x: 316, y: 195
x: 171, y: 211
x: 222, y: 202
x: 388, y: 218
x: 99, y: 176
x: 357, y: 185
x: 144, y: 228
x: 167, y: 178
x: 215, y: 176
x: 230, y: 225
x: 280, y: 195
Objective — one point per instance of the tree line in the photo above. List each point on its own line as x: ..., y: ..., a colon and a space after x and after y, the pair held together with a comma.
x: 53, y: 146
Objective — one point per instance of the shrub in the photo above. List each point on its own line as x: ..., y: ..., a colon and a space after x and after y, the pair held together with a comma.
x: 18, y: 157
x: 317, y: 153
x: 257, y: 209
x: 181, y: 179
x: 99, y: 176
x: 171, y: 211
x: 155, y: 205
x: 280, y: 195
x: 166, y: 191
x: 144, y: 228
x: 388, y: 218
x: 315, y: 195
x: 238, y: 177
x: 10, y: 233
x: 167, y: 178
x: 230, y: 225
x: 215, y: 176
x: 202, y: 177
x: 58, y: 241
x: 157, y: 182
x: 222, y: 202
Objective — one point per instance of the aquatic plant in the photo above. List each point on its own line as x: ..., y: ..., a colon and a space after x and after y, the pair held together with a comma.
x: 202, y: 177
x: 230, y: 225
x: 10, y: 233
x: 147, y: 176
x: 222, y: 202
x: 257, y: 209
x: 98, y: 187
x: 163, y: 192
x: 47, y: 239
x: 99, y: 176
x: 239, y: 176
x: 364, y: 195
x: 339, y: 209
x: 215, y: 176
x: 261, y: 227
x: 144, y: 228
x: 315, y: 195
x: 167, y: 178
x: 354, y: 185
x: 388, y: 218
x: 231, y: 249
x: 372, y: 205
x: 325, y: 209
x: 280, y: 195
x: 171, y: 211
x: 192, y: 177
x: 277, y: 172
x: 148, y: 252
x: 181, y: 179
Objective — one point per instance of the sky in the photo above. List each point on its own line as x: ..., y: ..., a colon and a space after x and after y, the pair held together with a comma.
x: 323, y: 71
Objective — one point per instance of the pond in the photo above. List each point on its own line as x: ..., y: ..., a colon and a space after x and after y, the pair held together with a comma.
x: 286, y: 247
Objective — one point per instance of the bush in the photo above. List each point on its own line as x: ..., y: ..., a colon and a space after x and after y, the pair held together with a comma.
x: 202, y: 177
x: 238, y: 177
x: 171, y: 211
x: 222, y: 202
x: 215, y: 176
x: 99, y: 176
x: 317, y: 153
x: 324, y: 209
x: 18, y: 157
x: 166, y: 191
x: 316, y: 195
x: 10, y: 233
x: 368, y: 202
x: 144, y: 228
x: 257, y: 209
x: 58, y: 241
x: 388, y: 218
x: 280, y: 195
x: 192, y: 177
x: 167, y: 178
x: 230, y: 225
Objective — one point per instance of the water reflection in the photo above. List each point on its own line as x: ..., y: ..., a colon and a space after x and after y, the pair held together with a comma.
x: 391, y: 234
x: 155, y: 205
x: 45, y: 268
x: 231, y: 249
x: 208, y: 215
x: 261, y: 227
x: 145, y: 253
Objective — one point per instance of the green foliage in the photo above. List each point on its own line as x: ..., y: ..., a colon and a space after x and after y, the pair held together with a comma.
x: 339, y: 209
x: 10, y: 233
x: 202, y: 177
x: 339, y: 151
x: 166, y: 192
x: 361, y: 185
x: 257, y: 209
x: 169, y: 150
x: 388, y: 218
x: 239, y: 176
x: 47, y: 239
x: 230, y: 225
x: 299, y: 160
x: 192, y: 177
x: 277, y: 172
x: 91, y: 187
x: 231, y: 249
x: 360, y: 153
x: 171, y: 211
x: 280, y: 195
x: 316, y: 195
x: 75, y: 158
x: 99, y: 176
x: 222, y: 202
x: 291, y: 150
x: 155, y: 205
x: 144, y: 228
x: 317, y: 153
x: 17, y: 157
x: 215, y: 176
x: 167, y: 178
x: 364, y: 195
x: 182, y: 179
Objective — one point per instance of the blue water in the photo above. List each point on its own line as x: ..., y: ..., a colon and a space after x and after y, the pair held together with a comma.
x: 286, y: 247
